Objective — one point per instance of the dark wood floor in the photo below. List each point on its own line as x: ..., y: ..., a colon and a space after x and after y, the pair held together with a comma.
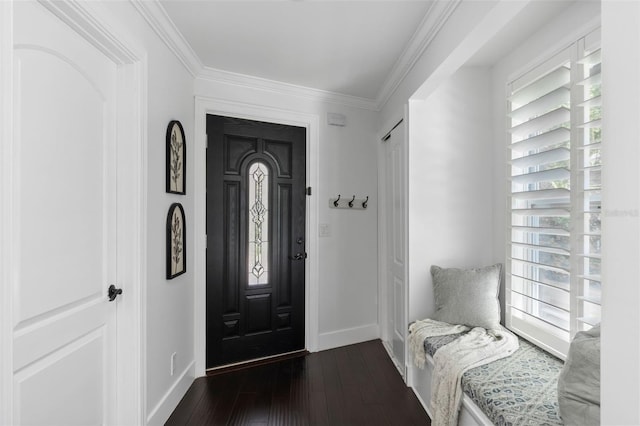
x: 352, y: 385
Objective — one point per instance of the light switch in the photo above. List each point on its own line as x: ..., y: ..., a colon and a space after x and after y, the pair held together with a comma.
x: 324, y: 230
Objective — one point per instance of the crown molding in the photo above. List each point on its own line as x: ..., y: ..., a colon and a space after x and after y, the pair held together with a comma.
x: 157, y: 18
x: 88, y: 21
x: 251, y: 82
x: 435, y: 18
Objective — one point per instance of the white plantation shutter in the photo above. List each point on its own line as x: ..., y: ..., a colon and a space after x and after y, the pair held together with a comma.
x: 589, y: 206
x: 553, y: 269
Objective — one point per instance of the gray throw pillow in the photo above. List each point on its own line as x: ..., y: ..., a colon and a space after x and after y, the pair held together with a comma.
x: 579, y: 381
x: 467, y: 296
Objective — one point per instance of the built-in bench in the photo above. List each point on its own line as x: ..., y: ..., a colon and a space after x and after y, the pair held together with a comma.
x: 520, y: 389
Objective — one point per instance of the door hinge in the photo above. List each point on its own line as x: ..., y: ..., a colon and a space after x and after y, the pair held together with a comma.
x: 308, y: 191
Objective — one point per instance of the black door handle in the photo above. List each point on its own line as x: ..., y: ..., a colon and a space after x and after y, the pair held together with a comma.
x: 298, y: 256
x: 114, y: 292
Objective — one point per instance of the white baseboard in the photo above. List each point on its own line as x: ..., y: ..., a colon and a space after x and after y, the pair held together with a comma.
x: 424, y: 404
x: 348, y: 336
x: 399, y: 367
x: 161, y: 412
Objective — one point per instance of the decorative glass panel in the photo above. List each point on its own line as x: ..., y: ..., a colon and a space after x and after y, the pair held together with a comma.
x: 258, y: 224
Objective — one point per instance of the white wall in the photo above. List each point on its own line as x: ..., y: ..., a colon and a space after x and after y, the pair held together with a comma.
x: 450, y: 183
x: 348, y: 258
x: 347, y: 166
x: 169, y: 304
x: 620, y: 360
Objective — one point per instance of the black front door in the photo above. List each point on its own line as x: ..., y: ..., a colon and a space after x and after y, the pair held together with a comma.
x: 255, y: 239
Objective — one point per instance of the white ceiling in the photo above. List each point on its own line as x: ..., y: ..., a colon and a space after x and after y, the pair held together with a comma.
x: 358, y: 48
x: 347, y: 47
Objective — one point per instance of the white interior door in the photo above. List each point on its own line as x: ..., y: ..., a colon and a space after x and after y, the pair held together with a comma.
x: 64, y: 210
x: 396, y: 251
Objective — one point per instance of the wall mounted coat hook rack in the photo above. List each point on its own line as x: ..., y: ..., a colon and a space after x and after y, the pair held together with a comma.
x: 349, y: 204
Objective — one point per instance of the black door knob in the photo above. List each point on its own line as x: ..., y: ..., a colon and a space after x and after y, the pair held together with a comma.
x: 114, y: 292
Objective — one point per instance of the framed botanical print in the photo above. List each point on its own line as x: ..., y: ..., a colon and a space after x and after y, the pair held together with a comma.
x: 176, y: 242
x: 176, y: 158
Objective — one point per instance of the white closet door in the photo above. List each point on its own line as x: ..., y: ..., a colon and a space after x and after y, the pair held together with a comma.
x: 395, y: 205
x: 64, y: 196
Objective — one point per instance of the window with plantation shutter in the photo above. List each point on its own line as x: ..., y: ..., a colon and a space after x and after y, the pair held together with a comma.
x: 553, y: 265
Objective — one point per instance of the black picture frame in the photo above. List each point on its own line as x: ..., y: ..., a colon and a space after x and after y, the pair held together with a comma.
x: 176, y: 241
x: 176, y: 157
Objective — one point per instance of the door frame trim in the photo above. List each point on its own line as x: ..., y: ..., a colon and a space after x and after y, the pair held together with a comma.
x: 6, y: 226
x: 96, y: 26
x: 215, y: 106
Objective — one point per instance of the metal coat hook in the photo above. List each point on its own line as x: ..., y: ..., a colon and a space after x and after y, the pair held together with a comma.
x: 352, y: 204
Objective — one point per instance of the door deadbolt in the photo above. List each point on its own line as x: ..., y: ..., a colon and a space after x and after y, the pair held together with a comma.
x: 298, y: 256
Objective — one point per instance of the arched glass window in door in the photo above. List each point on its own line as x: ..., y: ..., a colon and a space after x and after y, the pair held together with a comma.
x: 258, y: 224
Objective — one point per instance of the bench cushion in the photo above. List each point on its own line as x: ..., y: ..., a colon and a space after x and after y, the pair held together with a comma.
x: 518, y: 390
